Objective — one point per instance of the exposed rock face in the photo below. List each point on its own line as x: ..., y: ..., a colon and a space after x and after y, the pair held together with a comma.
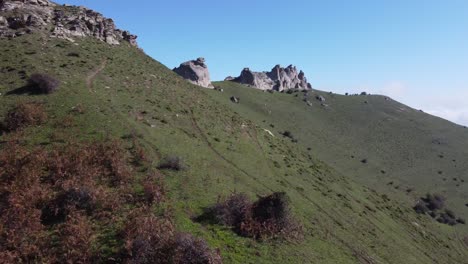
x: 196, y: 72
x: 18, y: 17
x: 278, y: 79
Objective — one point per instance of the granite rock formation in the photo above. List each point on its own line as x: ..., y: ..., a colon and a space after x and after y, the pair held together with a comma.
x: 278, y: 79
x: 19, y: 17
x: 196, y: 72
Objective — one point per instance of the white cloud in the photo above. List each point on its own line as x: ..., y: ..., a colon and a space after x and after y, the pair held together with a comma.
x: 459, y: 116
x: 450, y: 105
x: 394, y: 89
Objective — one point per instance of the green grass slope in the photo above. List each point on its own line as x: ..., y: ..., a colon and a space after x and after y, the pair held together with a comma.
x: 226, y: 149
x: 408, y: 152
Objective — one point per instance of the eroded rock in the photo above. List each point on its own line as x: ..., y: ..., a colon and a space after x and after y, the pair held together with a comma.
x: 18, y: 17
x: 278, y: 79
x: 196, y: 72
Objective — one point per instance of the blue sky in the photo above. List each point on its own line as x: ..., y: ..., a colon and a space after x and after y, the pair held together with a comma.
x: 414, y: 51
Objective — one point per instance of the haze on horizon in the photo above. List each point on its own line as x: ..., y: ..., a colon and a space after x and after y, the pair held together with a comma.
x: 413, y: 51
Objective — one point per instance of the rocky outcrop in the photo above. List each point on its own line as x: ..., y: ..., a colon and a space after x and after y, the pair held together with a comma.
x: 19, y: 17
x: 278, y: 79
x: 196, y: 72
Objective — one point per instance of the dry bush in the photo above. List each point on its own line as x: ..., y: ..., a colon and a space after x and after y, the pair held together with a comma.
x: 269, y: 217
x: 43, y: 83
x: 58, y: 209
x: 190, y: 250
x: 151, y: 239
x: 138, y: 153
x: 434, y: 201
x: 233, y: 210
x: 22, y: 235
x: 51, y: 199
x: 105, y: 162
x: 434, y: 205
x: 76, y: 240
x: 421, y: 208
x: 172, y: 163
x: 39, y: 187
x: 148, y: 239
x: 23, y: 115
x: 154, y: 189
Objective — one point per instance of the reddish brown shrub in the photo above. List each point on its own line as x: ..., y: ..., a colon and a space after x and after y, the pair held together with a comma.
x: 55, y: 203
x: 95, y: 161
x: 154, y: 189
x: 23, y: 115
x: 233, y: 210
x: 269, y: 217
x: 139, y: 153
x: 149, y: 239
x: 43, y: 83
x: 76, y: 240
x: 66, y: 201
x: 190, y: 250
x: 22, y: 235
x: 39, y: 187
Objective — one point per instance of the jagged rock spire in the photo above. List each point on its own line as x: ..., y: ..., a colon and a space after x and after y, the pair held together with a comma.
x: 277, y: 79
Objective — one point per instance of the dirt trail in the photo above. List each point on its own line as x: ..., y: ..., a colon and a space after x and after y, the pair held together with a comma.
x: 92, y: 75
x: 205, y: 139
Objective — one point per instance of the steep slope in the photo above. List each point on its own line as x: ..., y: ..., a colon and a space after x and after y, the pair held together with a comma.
x: 373, y: 139
x: 125, y: 92
x: 118, y: 92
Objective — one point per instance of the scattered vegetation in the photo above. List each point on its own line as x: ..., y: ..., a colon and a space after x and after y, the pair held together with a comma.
x: 267, y: 218
x: 149, y: 239
x: 73, y: 191
x: 289, y: 135
x: 434, y: 205
x: 23, y: 115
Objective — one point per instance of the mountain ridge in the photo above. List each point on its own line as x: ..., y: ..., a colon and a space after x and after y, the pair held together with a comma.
x: 66, y: 22
x: 349, y: 211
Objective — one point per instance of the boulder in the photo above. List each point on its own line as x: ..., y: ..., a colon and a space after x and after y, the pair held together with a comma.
x: 320, y: 98
x: 3, y: 22
x: 235, y: 99
x: 196, y: 72
x: 279, y: 79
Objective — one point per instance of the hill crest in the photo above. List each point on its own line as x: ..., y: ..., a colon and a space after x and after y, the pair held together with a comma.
x: 67, y: 22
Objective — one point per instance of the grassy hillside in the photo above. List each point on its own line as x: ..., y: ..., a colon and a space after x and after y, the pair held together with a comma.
x: 407, y: 152
x: 124, y: 94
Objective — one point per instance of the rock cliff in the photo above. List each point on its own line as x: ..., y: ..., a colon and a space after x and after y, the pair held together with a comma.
x: 278, y: 79
x: 19, y: 17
